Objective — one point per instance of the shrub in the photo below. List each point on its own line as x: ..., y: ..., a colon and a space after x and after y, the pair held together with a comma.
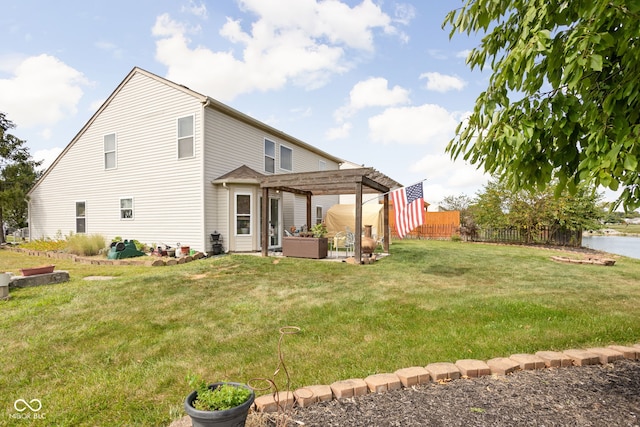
x: 85, y: 245
x: 44, y: 245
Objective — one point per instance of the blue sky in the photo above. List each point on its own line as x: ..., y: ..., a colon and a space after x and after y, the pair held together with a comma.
x: 375, y: 82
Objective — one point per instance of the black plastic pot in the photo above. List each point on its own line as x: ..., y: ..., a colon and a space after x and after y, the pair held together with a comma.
x: 234, y: 417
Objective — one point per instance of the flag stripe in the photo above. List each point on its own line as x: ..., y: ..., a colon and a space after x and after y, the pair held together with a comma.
x: 408, y: 204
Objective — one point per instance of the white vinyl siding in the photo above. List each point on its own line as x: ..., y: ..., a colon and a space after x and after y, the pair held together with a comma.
x: 174, y: 198
x: 110, y: 151
x: 143, y: 115
x: 185, y: 137
x: 286, y: 158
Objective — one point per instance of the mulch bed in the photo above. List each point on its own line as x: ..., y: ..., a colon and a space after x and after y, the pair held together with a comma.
x: 597, y: 395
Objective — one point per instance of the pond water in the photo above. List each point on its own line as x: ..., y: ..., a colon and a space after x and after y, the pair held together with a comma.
x: 621, y: 245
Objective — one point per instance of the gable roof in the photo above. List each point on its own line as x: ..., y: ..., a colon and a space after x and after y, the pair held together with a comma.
x: 243, y: 174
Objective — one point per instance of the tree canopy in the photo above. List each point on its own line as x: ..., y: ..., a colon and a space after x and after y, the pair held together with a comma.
x: 17, y: 174
x: 563, y: 100
x: 499, y: 207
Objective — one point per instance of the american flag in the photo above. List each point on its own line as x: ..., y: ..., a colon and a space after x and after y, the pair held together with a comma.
x: 408, y: 204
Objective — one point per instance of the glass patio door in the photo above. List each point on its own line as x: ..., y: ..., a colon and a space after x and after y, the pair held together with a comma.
x: 275, y: 222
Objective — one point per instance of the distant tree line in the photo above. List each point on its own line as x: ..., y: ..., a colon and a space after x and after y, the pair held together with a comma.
x: 496, y: 206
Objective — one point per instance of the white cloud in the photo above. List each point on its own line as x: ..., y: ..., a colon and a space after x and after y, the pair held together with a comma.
x: 373, y: 92
x: 47, y: 156
x: 96, y: 104
x: 197, y: 9
x: 42, y: 91
x: 437, y: 54
x: 404, y: 13
x: 442, y: 82
x: 446, y: 177
x: 111, y: 48
x: 424, y: 124
x: 463, y: 54
x: 291, y: 41
x: 302, y: 111
x: 46, y: 134
x: 340, y: 132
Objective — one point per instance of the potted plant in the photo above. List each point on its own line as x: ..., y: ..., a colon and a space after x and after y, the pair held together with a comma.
x: 309, y: 244
x: 222, y: 404
x: 319, y: 230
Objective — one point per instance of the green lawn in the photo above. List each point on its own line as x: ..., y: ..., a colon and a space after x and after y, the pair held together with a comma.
x: 117, y: 352
x: 626, y: 228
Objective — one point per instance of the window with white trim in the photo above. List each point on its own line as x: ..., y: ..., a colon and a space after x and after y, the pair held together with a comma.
x: 286, y: 158
x: 81, y: 217
x: 322, y: 165
x: 126, y: 208
x: 269, y: 156
x: 109, y: 147
x: 318, y: 214
x: 243, y: 214
x: 185, y: 137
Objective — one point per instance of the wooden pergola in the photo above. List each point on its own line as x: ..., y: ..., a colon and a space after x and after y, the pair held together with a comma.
x: 346, y: 181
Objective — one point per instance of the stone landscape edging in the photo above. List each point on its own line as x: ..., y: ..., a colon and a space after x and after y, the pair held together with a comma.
x: 154, y: 261
x: 443, y: 372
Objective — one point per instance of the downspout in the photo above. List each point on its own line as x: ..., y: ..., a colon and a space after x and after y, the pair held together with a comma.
x: 204, y: 212
x: 228, y: 214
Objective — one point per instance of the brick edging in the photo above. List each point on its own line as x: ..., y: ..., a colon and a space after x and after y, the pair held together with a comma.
x: 443, y: 372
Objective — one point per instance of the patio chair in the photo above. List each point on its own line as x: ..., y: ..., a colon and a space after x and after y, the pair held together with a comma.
x: 343, y: 239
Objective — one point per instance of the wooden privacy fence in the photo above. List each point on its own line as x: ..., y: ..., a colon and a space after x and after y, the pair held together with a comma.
x: 445, y: 225
x: 437, y: 225
x: 431, y: 231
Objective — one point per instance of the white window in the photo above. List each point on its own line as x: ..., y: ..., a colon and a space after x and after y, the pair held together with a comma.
x: 322, y: 165
x: 318, y: 214
x: 185, y: 137
x: 109, y: 147
x: 243, y: 214
x: 81, y: 217
x: 269, y: 156
x: 286, y: 158
x: 126, y: 208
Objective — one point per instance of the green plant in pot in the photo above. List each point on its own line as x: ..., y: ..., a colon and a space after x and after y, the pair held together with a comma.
x: 222, y: 404
x: 319, y: 230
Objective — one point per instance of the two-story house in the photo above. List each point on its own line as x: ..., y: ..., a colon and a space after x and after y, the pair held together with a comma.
x: 163, y: 164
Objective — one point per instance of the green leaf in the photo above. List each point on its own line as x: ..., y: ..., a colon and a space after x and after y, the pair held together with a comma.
x: 631, y: 162
x: 596, y: 62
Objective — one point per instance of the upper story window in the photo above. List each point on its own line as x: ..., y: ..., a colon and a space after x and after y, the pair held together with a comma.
x: 322, y: 165
x: 286, y: 158
x: 126, y: 208
x: 109, y: 147
x: 269, y: 156
x: 185, y: 137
